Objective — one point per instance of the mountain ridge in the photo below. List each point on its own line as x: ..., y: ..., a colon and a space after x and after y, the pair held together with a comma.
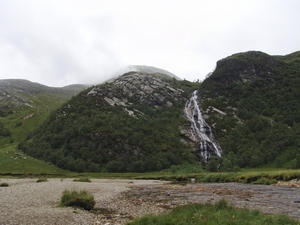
x: 25, y: 104
x: 250, y: 102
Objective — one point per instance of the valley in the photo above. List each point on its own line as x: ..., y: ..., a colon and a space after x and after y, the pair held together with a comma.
x: 236, y: 134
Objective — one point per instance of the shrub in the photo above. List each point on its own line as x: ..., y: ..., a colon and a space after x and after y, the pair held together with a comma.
x: 212, y: 166
x: 173, y: 169
x: 236, y: 169
x: 82, y: 179
x: 43, y: 179
x: 81, y: 199
x: 4, y: 185
x: 264, y: 180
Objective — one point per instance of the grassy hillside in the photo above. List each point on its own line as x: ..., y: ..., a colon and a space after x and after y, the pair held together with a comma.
x: 26, y: 118
x: 24, y: 105
x: 14, y: 162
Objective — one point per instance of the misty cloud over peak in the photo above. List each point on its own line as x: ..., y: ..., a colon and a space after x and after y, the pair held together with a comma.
x: 57, y: 43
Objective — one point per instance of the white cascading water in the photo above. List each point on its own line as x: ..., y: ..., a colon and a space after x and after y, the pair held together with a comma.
x: 200, y: 130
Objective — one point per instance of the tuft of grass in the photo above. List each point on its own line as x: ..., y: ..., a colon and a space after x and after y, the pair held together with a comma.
x: 81, y: 199
x: 265, y: 180
x: 213, y: 214
x: 82, y: 179
x: 217, y: 177
x: 4, y: 185
x: 42, y: 179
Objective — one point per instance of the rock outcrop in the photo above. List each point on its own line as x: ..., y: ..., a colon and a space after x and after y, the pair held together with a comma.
x: 244, y: 67
x: 138, y: 87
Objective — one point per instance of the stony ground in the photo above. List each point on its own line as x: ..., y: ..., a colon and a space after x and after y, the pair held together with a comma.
x: 25, y: 201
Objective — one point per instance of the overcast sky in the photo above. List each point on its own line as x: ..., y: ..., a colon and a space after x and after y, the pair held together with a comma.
x: 62, y: 42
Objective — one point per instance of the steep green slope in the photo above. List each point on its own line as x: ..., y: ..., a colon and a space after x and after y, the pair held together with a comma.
x: 131, y: 124
x: 24, y: 105
x: 253, y: 101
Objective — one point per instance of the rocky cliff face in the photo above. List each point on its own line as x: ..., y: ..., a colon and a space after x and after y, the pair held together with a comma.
x: 244, y: 67
x: 138, y: 87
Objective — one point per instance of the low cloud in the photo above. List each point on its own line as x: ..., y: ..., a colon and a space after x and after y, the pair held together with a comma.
x: 63, y: 42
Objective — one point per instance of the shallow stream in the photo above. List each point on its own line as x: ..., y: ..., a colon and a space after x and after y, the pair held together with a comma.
x: 268, y: 199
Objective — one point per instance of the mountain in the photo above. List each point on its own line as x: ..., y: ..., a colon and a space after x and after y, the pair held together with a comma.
x: 252, y: 102
x: 151, y: 70
x: 130, y: 124
x: 245, y: 114
x: 145, y: 69
x: 24, y: 105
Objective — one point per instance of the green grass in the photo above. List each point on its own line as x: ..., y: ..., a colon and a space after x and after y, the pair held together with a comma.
x: 26, y: 119
x: 81, y: 199
x: 13, y: 162
x: 213, y: 214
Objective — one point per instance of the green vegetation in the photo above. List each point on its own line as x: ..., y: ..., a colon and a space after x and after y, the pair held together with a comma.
x: 262, y: 121
x: 81, y: 199
x: 42, y: 179
x: 88, y: 135
x: 82, y: 179
x: 259, y: 126
x: 16, y: 126
x: 26, y: 166
x: 262, y: 176
x: 14, y: 162
x: 25, y: 105
x: 213, y: 214
x: 4, y: 185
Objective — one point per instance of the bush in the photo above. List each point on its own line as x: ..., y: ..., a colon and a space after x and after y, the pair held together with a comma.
x: 4, y: 185
x: 82, y: 179
x: 264, y: 180
x: 212, y: 166
x: 236, y: 169
x: 43, y: 179
x: 173, y: 169
x: 81, y: 199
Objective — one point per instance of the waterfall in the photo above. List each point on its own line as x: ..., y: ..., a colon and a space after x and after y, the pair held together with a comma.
x: 200, y: 131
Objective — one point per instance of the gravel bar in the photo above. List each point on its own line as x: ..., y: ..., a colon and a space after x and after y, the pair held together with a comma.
x: 118, y: 201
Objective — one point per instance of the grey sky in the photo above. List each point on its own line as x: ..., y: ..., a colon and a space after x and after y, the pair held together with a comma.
x: 60, y: 42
